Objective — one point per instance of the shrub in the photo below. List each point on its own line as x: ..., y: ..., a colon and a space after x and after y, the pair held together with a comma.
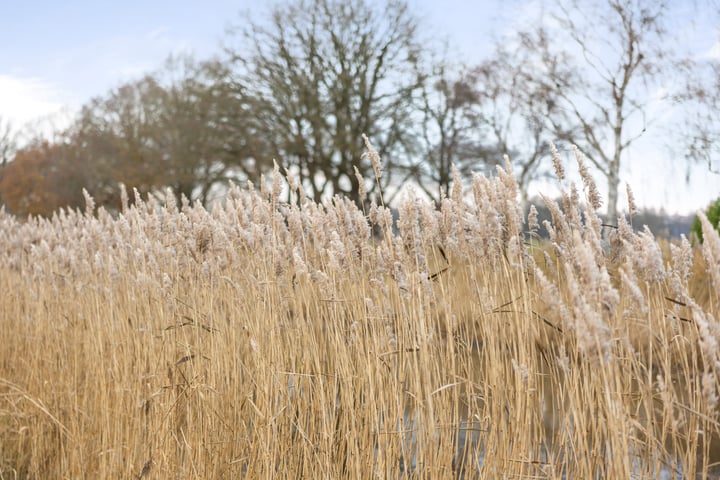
x: 713, y: 214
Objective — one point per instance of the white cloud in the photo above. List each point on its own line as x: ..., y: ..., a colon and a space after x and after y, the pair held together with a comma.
x: 713, y: 53
x: 159, y: 33
x: 34, y: 107
x: 23, y: 100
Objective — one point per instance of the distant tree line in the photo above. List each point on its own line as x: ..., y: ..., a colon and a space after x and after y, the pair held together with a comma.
x: 661, y: 223
x: 302, y: 83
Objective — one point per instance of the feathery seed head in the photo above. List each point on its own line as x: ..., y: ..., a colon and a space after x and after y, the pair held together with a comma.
x: 374, y: 158
x: 557, y: 162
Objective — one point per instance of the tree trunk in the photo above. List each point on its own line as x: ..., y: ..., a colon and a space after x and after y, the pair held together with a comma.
x: 613, y: 179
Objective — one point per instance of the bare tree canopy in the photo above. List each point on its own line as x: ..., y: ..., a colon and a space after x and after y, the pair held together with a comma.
x: 622, y: 55
x: 702, y: 124
x: 451, y: 130
x: 516, y: 102
x: 320, y: 73
x: 167, y: 130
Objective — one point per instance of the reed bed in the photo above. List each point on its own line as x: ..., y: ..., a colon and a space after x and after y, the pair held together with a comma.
x: 291, y: 339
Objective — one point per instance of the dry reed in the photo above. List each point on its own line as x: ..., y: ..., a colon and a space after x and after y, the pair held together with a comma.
x: 263, y: 339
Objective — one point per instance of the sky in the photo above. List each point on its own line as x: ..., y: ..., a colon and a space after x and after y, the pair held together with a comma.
x: 55, y: 56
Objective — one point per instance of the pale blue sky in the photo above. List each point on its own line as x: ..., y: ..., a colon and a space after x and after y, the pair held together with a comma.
x: 56, y: 55
x: 70, y: 50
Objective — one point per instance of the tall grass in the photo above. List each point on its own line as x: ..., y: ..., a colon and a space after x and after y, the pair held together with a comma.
x: 263, y: 339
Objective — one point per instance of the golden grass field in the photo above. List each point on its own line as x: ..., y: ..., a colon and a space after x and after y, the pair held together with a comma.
x: 264, y: 339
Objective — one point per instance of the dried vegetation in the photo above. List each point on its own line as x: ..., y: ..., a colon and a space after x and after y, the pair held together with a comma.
x: 266, y: 339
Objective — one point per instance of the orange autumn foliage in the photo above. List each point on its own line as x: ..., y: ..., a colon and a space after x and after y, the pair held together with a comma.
x: 42, y: 178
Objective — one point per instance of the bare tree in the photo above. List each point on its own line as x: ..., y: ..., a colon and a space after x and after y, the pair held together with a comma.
x: 166, y: 130
x: 515, y: 106
x: 317, y: 75
x: 8, y: 146
x: 623, y: 55
x: 8, y: 142
x: 701, y: 125
x: 471, y: 118
x: 451, y: 133
x: 199, y: 152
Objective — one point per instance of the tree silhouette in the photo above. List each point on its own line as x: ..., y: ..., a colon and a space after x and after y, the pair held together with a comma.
x: 317, y: 75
